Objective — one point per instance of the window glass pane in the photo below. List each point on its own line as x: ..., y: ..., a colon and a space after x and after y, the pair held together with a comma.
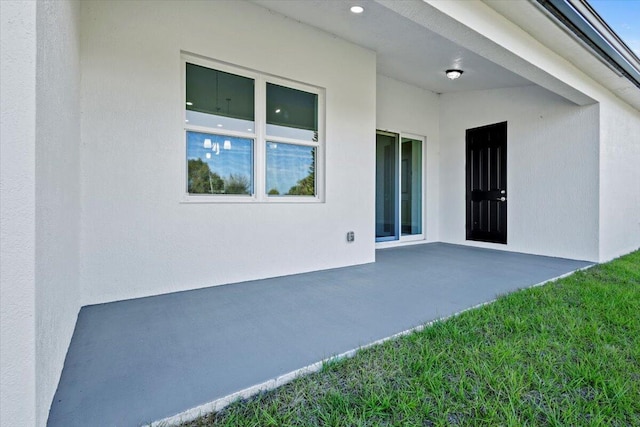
x: 386, y: 186
x: 292, y: 113
x: 219, y: 164
x: 290, y: 170
x: 411, y: 186
x: 219, y: 100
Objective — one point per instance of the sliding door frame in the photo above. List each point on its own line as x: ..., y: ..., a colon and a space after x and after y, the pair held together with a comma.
x: 392, y: 241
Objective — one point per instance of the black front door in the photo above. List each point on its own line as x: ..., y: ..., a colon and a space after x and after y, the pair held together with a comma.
x: 487, y: 183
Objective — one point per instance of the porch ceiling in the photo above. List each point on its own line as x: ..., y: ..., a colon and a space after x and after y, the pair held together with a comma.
x: 405, y: 49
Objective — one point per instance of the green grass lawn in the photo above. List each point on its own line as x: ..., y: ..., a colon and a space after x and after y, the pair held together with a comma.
x: 563, y: 354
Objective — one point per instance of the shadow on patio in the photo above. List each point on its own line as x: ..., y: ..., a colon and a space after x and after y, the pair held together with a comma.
x: 138, y: 361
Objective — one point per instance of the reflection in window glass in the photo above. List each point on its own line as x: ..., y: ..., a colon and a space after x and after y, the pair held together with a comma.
x: 290, y: 170
x: 292, y: 113
x: 219, y: 164
x: 220, y: 100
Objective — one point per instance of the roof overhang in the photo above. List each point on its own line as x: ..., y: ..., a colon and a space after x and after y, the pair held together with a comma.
x: 480, y: 28
x: 584, y: 23
x: 591, y: 46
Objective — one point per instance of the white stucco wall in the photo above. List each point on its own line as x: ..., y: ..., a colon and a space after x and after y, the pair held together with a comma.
x: 402, y: 107
x: 619, y: 178
x: 17, y: 213
x: 552, y: 164
x: 137, y: 239
x: 57, y: 191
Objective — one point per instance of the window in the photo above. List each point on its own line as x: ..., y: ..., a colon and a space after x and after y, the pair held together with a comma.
x: 250, y: 137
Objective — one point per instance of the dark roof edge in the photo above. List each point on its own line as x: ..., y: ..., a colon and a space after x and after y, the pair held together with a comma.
x: 585, y: 24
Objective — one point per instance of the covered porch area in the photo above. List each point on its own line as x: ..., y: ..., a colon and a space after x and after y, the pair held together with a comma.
x: 138, y: 361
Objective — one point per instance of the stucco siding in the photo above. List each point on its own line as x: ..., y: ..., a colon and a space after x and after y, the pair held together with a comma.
x: 17, y: 213
x: 552, y: 163
x: 57, y: 192
x: 619, y: 179
x: 137, y: 239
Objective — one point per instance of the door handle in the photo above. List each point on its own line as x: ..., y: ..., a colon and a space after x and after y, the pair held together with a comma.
x: 501, y: 199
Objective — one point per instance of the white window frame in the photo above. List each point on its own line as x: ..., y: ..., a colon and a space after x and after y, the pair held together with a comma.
x: 423, y: 165
x: 259, y: 137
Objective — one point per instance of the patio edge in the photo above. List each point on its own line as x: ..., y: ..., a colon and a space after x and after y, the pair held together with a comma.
x: 220, y: 403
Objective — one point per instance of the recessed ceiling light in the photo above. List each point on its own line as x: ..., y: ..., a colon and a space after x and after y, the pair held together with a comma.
x: 453, y: 74
x: 357, y: 9
x: 189, y: 103
x: 277, y: 111
x: 219, y: 125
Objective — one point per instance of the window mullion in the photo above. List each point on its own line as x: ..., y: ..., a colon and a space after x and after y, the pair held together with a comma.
x: 260, y: 160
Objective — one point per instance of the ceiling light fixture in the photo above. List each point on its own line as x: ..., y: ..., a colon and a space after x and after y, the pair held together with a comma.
x: 357, y: 9
x: 453, y: 74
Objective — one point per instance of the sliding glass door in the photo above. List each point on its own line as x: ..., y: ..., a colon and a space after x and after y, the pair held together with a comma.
x: 399, y: 160
x: 386, y: 186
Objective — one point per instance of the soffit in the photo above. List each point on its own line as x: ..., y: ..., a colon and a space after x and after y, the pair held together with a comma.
x: 532, y: 20
x: 406, y: 50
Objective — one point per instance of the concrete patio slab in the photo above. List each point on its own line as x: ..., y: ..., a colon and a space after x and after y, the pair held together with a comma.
x: 137, y: 361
